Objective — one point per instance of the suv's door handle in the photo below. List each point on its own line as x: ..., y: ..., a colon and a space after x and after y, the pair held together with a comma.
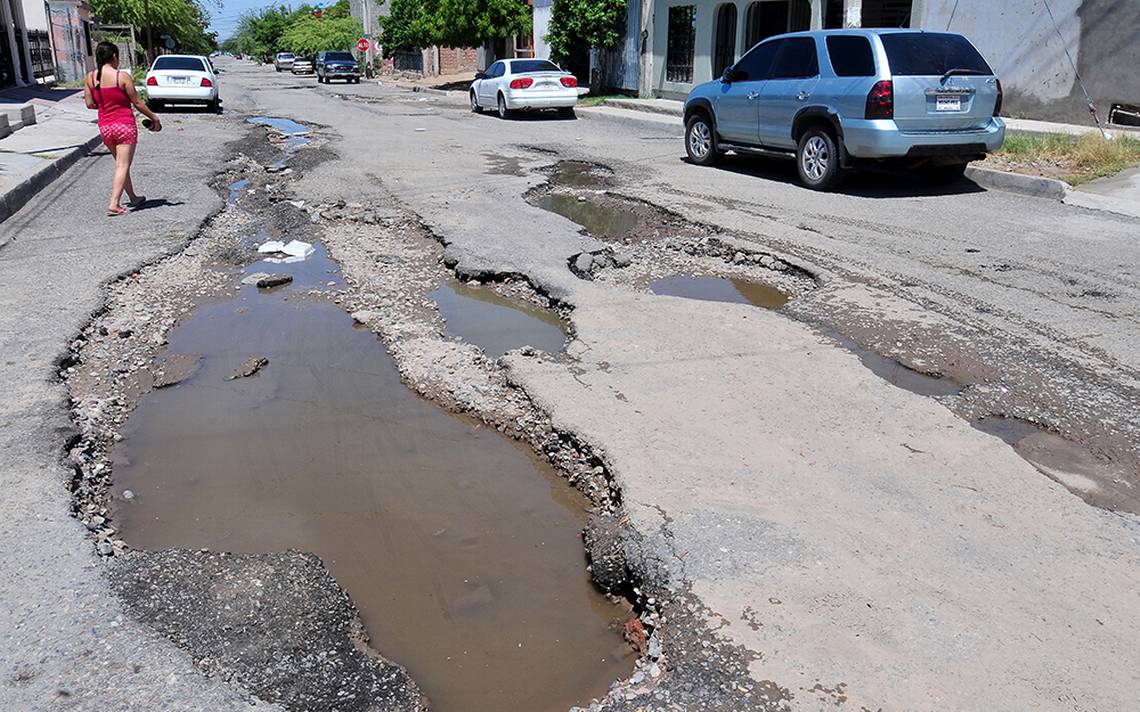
x: 753, y: 95
x: 803, y: 96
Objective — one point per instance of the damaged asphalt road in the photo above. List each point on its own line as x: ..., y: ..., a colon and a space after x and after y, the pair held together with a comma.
x: 792, y: 530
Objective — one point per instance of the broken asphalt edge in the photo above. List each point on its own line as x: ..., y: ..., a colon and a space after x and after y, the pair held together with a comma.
x: 19, y: 195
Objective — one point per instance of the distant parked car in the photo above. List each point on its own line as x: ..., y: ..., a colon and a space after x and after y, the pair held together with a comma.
x: 337, y: 65
x: 283, y: 61
x: 182, y: 79
x: 524, y: 84
x: 302, y: 65
x: 836, y: 99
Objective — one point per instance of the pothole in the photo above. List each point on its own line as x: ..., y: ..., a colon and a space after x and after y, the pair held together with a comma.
x: 897, y: 374
x: 596, y: 217
x: 720, y: 289
x: 580, y: 174
x: 460, y: 548
x: 497, y: 324
x: 1068, y: 463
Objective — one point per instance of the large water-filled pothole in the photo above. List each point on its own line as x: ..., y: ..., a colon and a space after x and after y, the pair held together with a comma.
x: 461, y: 549
x: 720, y: 289
x: 495, y: 323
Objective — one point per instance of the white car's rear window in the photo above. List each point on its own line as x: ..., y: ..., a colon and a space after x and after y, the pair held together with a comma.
x: 180, y: 64
x: 522, y: 66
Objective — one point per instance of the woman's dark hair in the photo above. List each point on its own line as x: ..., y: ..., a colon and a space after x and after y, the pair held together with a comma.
x: 104, y: 53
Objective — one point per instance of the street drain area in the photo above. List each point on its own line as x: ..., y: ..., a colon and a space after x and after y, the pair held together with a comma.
x: 497, y: 324
x: 461, y: 550
x: 720, y: 289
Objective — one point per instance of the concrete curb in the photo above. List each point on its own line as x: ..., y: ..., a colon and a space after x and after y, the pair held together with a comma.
x: 18, y: 196
x: 1033, y: 186
x: 634, y: 105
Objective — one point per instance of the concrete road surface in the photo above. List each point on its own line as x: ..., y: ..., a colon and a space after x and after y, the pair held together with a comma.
x: 866, y: 546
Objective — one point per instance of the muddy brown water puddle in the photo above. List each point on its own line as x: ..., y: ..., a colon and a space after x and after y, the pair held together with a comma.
x: 598, y: 219
x: 460, y: 548
x: 495, y: 323
x: 1064, y: 461
x: 897, y: 374
x: 720, y: 289
x: 579, y: 174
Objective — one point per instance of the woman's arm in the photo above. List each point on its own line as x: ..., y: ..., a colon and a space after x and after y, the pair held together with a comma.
x: 88, y: 96
x: 127, y: 83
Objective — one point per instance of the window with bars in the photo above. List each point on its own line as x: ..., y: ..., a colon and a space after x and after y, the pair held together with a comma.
x: 39, y: 44
x: 679, y: 48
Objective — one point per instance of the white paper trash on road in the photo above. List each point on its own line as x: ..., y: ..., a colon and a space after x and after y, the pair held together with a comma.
x: 295, y: 249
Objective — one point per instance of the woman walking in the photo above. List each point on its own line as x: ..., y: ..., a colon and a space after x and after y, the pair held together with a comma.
x: 113, y: 92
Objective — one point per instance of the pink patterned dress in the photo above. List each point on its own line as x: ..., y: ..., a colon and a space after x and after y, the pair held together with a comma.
x: 116, y: 119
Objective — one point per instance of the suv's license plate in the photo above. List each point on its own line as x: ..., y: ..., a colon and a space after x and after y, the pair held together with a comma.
x: 948, y: 103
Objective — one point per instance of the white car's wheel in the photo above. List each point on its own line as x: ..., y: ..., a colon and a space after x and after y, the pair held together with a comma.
x: 504, y: 112
x: 475, y: 103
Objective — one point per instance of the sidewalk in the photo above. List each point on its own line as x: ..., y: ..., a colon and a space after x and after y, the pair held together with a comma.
x: 38, y: 153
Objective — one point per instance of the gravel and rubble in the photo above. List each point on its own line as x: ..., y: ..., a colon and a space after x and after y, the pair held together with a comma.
x: 276, y: 623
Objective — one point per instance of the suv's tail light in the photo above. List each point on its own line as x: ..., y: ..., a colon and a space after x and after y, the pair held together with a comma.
x: 206, y: 82
x: 521, y: 83
x: 569, y: 81
x: 881, y: 101
x: 151, y: 82
x: 997, y: 104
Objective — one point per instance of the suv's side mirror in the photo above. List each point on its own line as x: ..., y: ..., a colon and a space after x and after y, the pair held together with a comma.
x: 480, y: 75
x: 729, y: 75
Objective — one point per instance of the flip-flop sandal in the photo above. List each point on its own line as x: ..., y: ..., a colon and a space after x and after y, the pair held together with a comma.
x: 117, y: 211
x: 138, y: 203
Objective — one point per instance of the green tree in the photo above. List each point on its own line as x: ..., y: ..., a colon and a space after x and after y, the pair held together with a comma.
x: 578, y: 25
x: 259, y: 32
x: 412, y: 24
x: 186, y: 21
x: 309, y: 34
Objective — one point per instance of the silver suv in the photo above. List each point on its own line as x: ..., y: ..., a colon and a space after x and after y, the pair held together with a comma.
x: 835, y: 99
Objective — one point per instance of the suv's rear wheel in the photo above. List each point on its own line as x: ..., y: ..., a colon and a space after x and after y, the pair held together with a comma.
x: 700, y: 140
x: 817, y: 159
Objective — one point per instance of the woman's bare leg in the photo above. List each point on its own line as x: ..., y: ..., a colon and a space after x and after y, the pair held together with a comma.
x: 123, y: 154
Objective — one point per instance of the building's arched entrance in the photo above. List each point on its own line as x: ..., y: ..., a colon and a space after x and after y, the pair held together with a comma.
x: 724, y: 41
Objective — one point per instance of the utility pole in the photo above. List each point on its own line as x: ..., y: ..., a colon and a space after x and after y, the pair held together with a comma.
x: 149, y: 37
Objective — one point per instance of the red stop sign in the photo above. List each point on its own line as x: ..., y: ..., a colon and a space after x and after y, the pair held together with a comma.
x: 362, y: 44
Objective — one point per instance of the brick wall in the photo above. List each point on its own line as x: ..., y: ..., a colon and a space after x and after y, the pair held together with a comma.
x: 453, y: 60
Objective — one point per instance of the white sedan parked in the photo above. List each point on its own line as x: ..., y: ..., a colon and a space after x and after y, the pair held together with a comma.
x: 524, y: 84
x: 182, y: 79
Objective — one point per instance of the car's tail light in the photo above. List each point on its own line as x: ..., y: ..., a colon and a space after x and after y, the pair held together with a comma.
x: 521, y: 83
x: 997, y: 104
x: 206, y: 82
x: 569, y: 81
x: 881, y: 101
x: 151, y: 82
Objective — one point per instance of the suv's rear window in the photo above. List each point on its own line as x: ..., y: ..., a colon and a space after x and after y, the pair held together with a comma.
x: 851, y: 56
x: 533, y: 65
x: 180, y: 64
x: 339, y: 57
x: 931, y: 54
